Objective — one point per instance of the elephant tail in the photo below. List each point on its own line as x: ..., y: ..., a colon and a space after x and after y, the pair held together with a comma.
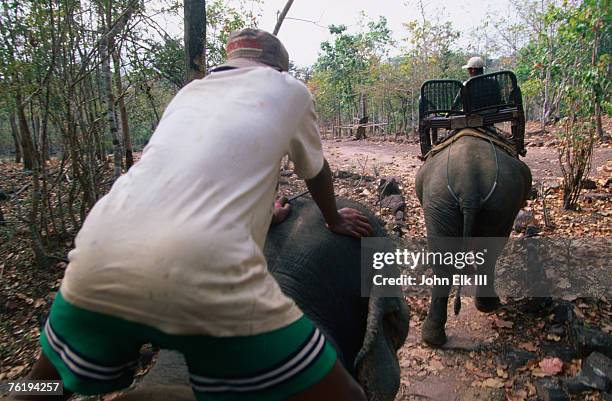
x: 469, y: 222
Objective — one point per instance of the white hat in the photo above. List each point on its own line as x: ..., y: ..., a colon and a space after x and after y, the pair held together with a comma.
x: 474, y: 62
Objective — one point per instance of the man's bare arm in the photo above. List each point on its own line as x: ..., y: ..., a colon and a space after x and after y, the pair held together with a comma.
x: 345, y: 221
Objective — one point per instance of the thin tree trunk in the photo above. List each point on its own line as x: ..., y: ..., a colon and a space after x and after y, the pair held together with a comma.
x: 546, y: 106
x: 195, y: 39
x: 125, y: 126
x: 29, y: 153
x: 107, y: 87
x: 15, y: 134
x: 110, y: 107
x: 111, y: 48
x: 282, y: 16
x: 35, y: 128
x: 412, y: 127
x: 598, y: 124
x: 152, y: 103
x: 44, y: 129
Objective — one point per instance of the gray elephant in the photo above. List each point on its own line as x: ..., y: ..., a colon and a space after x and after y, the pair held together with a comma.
x: 321, y: 272
x: 470, y: 188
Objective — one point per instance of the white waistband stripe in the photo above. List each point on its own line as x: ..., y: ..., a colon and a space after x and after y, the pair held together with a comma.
x: 80, y: 366
x: 293, y: 367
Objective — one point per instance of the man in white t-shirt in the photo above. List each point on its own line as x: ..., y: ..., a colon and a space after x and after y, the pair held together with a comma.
x: 173, y: 254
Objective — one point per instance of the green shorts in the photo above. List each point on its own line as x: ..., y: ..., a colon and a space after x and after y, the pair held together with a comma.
x: 96, y: 353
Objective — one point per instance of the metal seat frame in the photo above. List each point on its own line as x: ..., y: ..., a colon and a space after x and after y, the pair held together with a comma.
x: 437, y: 112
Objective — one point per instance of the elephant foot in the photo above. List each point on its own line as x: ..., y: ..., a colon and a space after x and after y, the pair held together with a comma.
x: 433, y: 333
x: 487, y: 304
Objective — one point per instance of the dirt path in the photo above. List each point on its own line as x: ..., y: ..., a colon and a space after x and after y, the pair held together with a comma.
x: 543, y: 161
x: 470, y: 367
x: 441, y: 375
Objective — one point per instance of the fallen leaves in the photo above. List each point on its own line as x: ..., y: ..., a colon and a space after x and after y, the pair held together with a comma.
x: 519, y: 395
x: 528, y: 346
x: 501, y: 373
x: 434, y: 365
x: 531, y: 389
x: 25, y: 298
x: 548, y: 367
x: 13, y: 373
x: 493, y: 382
x: 39, y: 302
x: 500, y: 323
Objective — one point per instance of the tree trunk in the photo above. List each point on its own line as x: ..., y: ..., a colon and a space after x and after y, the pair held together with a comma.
x: 42, y: 261
x: 195, y: 39
x: 363, y: 118
x: 363, y: 105
x: 15, y: 134
x: 152, y: 103
x: 110, y: 106
x: 598, y: 124
x: 107, y: 76
x: 29, y: 152
x: 412, y: 127
x: 125, y: 126
x: 282, y: 16
x: 545, y: 106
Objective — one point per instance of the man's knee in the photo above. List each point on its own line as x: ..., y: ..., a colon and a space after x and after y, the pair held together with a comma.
x: 355, y: 392
x: 338, y: 385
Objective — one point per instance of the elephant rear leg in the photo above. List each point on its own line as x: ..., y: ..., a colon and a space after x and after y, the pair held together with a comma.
x: 500, y: 226
x: 441, y: 222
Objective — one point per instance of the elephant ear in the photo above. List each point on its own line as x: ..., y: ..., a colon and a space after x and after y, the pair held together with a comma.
x: 376, y: 365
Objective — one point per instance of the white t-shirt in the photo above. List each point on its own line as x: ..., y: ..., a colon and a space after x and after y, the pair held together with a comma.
x: 177, y: 242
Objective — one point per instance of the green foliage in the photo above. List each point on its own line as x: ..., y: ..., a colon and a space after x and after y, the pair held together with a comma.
x: 346, y: 65
x: 158, y: 73
x: 584, y: 40
x: 356, y: 65
x: 569, y: 56
x: 166, y: 59
x: 433, y: 43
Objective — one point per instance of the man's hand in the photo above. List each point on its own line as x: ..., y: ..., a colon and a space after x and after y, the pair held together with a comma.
x: 351, y: 222
x: 345, y: 221
x: 281, y: 210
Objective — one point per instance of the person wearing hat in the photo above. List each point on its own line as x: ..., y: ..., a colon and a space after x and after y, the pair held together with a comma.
x: 475, y: 66
x: 488, y: 90
x: 173, y: 254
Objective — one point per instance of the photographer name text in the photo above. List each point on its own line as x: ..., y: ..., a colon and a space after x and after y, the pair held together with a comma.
x: 425, y: 280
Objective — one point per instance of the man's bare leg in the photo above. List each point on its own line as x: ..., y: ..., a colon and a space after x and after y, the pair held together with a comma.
x: 338, y: 385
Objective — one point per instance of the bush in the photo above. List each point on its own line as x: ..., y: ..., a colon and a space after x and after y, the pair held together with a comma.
x: 575, y: 153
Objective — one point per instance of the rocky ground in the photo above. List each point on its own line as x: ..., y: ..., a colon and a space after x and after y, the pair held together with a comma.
x: 501, y: 356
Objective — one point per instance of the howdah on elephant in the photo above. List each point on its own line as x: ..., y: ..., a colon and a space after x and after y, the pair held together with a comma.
x: 472, y: 187
x: 321, y: 271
